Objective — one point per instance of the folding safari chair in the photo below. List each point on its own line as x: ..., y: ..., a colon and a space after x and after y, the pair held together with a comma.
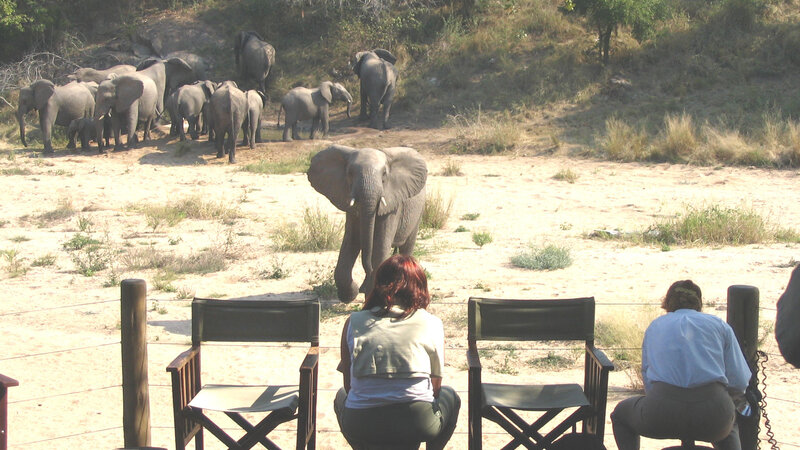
x: 5, y: 383
x: 537, y: 320
x: 247, y: 321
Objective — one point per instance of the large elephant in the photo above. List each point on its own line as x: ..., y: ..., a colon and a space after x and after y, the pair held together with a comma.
x: 177, y: 72
x: 130, y: 99
x: 311, y: 104
x: 57, y: 105
x: 378, y: 78
x: 256, y: 100
x: 189, y: 102
x: 383, y: 194
x: 254, y: 58
x: 90, y: 74
x: 229, y: 110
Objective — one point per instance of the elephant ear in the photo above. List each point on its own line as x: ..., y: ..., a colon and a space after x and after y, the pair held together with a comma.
x: 42, y: 91
x: 147, y: 62
x: 180, y: 65
x: 385, y: 55
x: 328, y: 174
x: 325, y: 91
x: 208, y: 88
x: 407, y: 176
x: 129, y: 89
x: 357, y: 62
x: 91, y: 86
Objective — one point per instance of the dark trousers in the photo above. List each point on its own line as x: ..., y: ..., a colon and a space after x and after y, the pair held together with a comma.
x: 400, y: 423
x: 704, y: 413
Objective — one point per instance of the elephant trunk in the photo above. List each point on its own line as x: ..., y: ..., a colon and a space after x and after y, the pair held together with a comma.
x: 367, y: 210
x: 21, y: 120
x: 349, y: 102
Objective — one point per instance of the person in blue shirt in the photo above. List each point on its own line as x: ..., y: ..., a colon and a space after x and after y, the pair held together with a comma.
x: 692, y: 369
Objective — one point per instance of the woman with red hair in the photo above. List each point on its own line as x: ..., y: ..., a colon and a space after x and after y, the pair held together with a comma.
x: 392, y: 356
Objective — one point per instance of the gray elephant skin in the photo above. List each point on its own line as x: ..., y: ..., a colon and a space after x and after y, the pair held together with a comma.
x: 89, y: 74
x: 229, y: 110
x: 57, y: 105
x: 254, y: 58
x: 383, y: 195
x: 256, y: 101
x: 130, y: 99
x: 190, y: 102
x: 311, y: 104
x: 180, y: 68
x: 85, y: 130
x: 378, y: 78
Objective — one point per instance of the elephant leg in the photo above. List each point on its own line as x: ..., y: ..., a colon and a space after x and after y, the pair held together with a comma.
x: 295, y: 130
x: 84, y: 141
x: 314, y: 127
x: 362, y: 115
x: 258, y: 131
x: 46, y: 125
x: 146, y: 136
x: 374, y: 107
x: 231, y: 146
x: 117, y: 127
x: 133, y: 119
x: 325, y: 122
x: 219, y: 143
x: 346, y: 288
x: 192, y: 128
x: 71, y: 136
x: 286, y: 128
x: 387, y: 106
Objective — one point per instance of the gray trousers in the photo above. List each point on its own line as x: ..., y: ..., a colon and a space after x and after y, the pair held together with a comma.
x: 704, y: 413
x: 401, y: 424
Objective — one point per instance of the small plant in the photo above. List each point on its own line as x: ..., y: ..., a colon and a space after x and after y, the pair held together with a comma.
x: 470, y: 216
x: 711, y: 225
x: 566, y: 175
x: 296, y: 164
x: 19, y: 239
x: 112, y: 280
x: 426, y: 233
x: 14, y: 264
x: 158, y: 308
x: 174, y: 241
x: 551, y: 361
x: 322, y: 282
x: 84, y: 224
x: 461, y: 229
x: 481, y: 238
x: 184, y: 293
x: 162, y: 281
x: 63, y: 211
x: 91, y: 259
x: 318, y: 232
x: 44, y: 261
x: 79, y: 241
x: 436, y: 211
x: 452, y: 169
x: 476, y: 133
x: 549, y: 257
x: 276, y: 271
x: 483, y: 287
x: 509, y: 364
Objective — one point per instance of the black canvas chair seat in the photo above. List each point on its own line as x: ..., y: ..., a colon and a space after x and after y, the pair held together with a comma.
x: 534, y: 397
x: 538, y: 320
x: 274, y: 320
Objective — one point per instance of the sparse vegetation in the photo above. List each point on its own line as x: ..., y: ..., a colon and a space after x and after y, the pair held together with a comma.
x: 188, y: 208
x: 318, y: 232
x: 452, y: 169
x: 276, y: 271
x: 621, y: 335
x: 567, y: 175
x: 479, y: 134
x: 63, y: 211
x: 320, y: 278
x: 548, y: 257
x: 15, y: 266
x: 481, y: 238
x: 461, y: 229
x: 437, y: 210
x: 44, y: 261
x: 714, y: 225
x: 296, y: 164
x: 470, y: 216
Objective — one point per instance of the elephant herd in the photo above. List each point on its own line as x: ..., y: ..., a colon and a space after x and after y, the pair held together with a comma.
x: 97, y: 104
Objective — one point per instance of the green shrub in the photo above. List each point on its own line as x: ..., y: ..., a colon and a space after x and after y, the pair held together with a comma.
x: 478, y: 134
x: 566, y: 175
x: 14, y: 264
x: 276, y: 271
x: 622, y: 143
x: 549, y: 257
x: 452, y: 169
x: 318, y: 232
x: 678, y: 141
x: 714, y: 224
x: 436, y: 211
x: 79, y: 241
x: 294, y: 164
x: 44, y: 261
x: 481, y: 238
x: 63, y: 211
x: 191, y: 207
x: 470, y: 216
x: 322, y: 282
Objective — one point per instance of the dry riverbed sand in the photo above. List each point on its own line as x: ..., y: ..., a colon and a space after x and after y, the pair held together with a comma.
x: 60, y: 329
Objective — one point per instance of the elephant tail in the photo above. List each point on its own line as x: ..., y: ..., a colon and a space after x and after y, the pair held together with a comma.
x: 279, y: 116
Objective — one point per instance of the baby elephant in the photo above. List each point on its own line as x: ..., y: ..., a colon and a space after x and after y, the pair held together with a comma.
x: 84, y: 129
x: 190, y: 102
x: 303, y: 104
x: 256, y: 101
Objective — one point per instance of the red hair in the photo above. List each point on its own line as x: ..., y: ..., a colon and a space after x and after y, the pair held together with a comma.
x: 399, y: 281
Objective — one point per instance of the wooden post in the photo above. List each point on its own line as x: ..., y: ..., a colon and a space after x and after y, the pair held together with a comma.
x: 743, y: 318
x: 135, y: 388
x: 5, y: 383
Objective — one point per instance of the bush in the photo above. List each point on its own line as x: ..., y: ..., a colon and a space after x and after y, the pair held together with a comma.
x: 678, y: 141
x: 295, y: 164
x: 436, y: 212
x: 622, y: 143
x: 549, y: 257
x: 317, y: 233
x: 481, y: 238
x: 483, y: 135
x: 566, y: 175
x: 711, y: 225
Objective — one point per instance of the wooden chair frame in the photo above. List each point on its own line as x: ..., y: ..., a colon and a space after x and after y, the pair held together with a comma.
x: 5, y: 383
x: 534, y: 320
x: 247, y: 321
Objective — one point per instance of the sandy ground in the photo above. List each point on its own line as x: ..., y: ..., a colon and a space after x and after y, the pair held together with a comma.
x: 60, y: 329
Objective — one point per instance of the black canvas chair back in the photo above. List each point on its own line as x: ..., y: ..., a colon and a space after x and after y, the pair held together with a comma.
x: 252, y: 320
x: 536, y: 320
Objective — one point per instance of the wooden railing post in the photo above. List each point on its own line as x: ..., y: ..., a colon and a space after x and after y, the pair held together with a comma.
x: 743, y: 318
x: 135, y: 388
x: 5, y: 383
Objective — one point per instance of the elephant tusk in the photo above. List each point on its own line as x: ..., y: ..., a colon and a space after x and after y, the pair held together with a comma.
x: 352, y: 202
x: 383, y: 200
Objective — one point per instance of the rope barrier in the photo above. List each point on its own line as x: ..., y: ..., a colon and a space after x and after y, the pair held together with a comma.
x: 59, y: 351
x: 70, y: 436
x: 64, y: 394
x: 57, y: 307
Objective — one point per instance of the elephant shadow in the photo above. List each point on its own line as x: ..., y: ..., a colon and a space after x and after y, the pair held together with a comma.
x: 180, y: 153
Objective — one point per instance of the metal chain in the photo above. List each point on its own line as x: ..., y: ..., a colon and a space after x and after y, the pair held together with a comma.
x: 762, y: 402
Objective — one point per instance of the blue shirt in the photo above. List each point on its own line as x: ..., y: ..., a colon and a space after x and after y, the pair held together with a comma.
x: 687, y: 348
